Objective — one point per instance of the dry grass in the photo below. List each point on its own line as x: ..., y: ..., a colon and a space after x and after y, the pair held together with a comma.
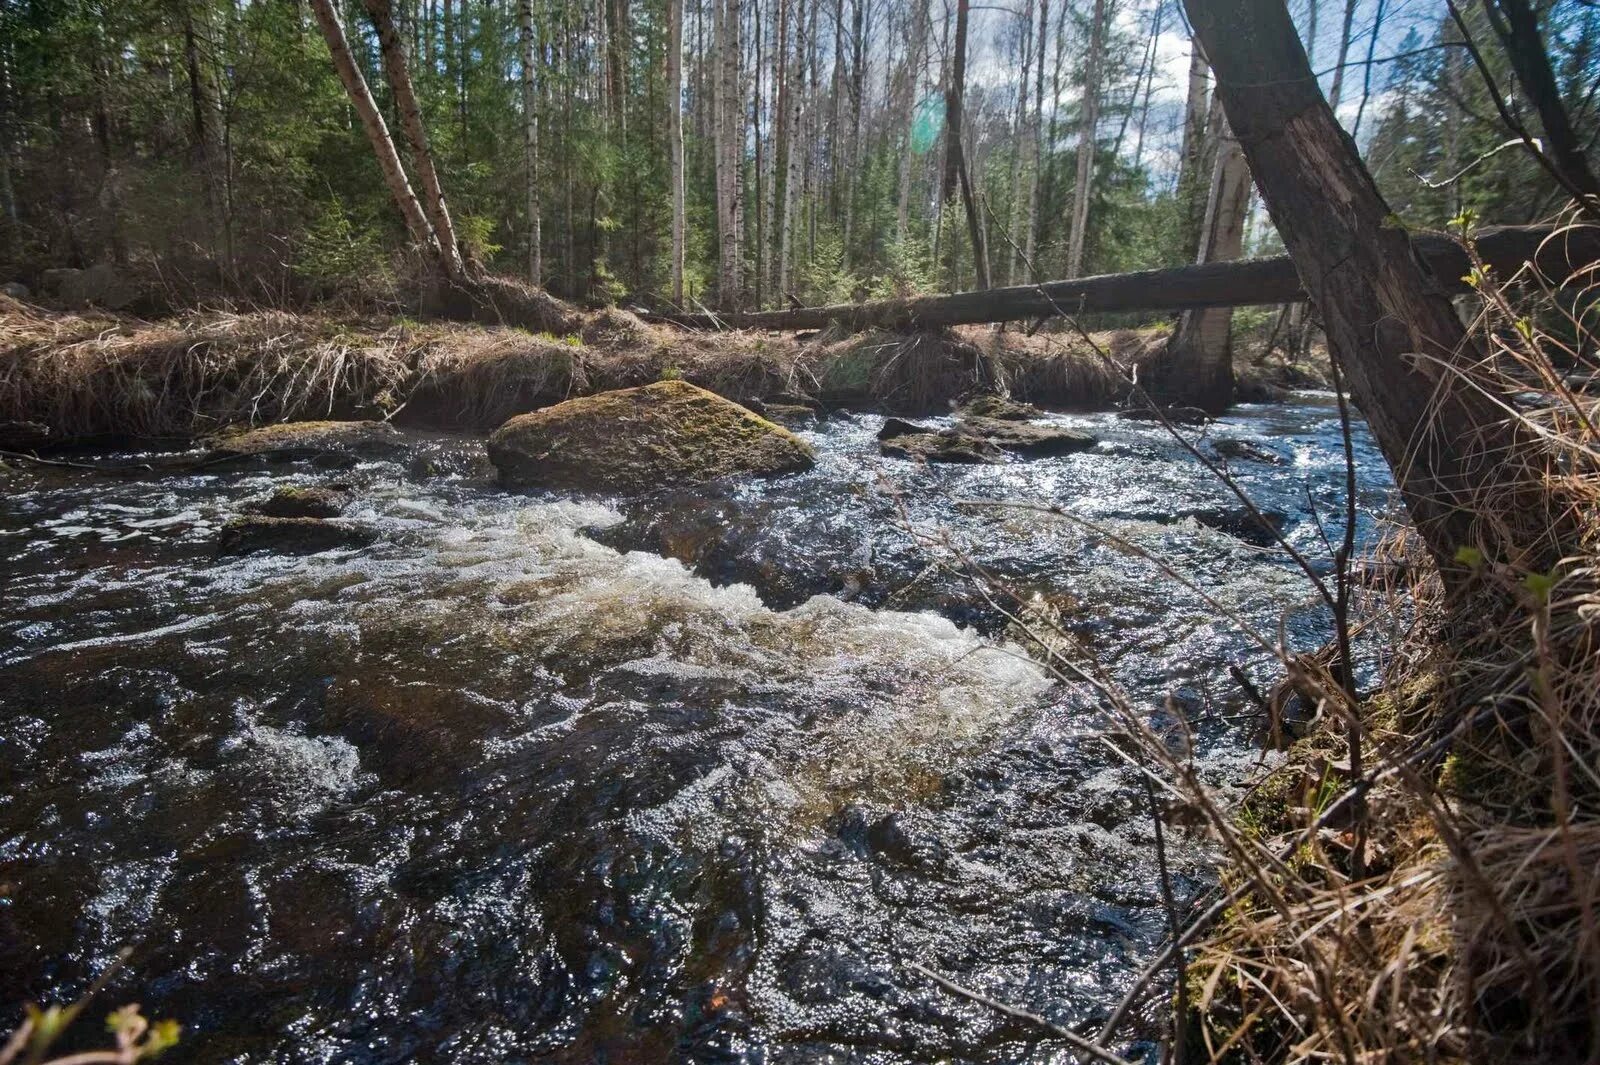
x: 88, y: 376
x: 1469, y: 929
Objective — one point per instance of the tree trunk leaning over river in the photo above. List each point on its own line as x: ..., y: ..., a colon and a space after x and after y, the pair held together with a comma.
x: 1408, y: 360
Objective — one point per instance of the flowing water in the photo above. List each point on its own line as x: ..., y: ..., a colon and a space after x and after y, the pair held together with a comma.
x: 513, y: 784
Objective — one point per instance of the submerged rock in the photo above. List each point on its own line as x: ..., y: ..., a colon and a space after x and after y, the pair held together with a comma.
x: 1175, y: 415
x: 258, y: 532
x: 1230, y: 448
x: 637, y: 439
x: 332, y: 442
x: 1239, y: 523
x: 292, y: 501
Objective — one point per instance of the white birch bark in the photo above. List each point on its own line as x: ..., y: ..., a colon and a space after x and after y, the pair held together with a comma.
x: 377, y: 130
x: 395, y: 70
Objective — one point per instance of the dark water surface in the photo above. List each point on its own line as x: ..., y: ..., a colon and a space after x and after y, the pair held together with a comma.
x: 499, y: 788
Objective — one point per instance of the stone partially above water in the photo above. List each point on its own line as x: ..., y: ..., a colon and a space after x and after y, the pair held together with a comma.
x: 328, y: 441
x: 1025, y: 438
x: 292, y: 536
x: 636, y: 439
x: 908, y: 440
x: 293, y: 501
x: 979, y: 440
x: 998, y: 408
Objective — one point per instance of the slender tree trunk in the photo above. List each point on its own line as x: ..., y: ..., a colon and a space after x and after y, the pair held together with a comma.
x: 1146, y: 62
x: 204, y: 109
x: 1086, y: 140
x: 405, y: 100
x: 617, y: 55
x: 774, y: 202
x: 813, y: 184
x: 1335, y: 92
x: 675, y: 139
x: 951, y: 181
x: 729, y: 151
x: 394, y: 175
x: 8, y: 143
x: 858, y: 43
x: 1404, y: 352
x: 836, y: 119
x: 758, y: 69
x: 796, y: 89
x: 1191, y: 169
x: 1366, y: 70
x: 1149, y: 85
x: 530, y: 143
x: 1019, y: 126
x: 1030, y: 234
x: 916, y: 54
x: 1201, y: 351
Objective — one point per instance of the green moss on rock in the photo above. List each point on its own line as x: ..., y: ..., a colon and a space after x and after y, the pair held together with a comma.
x: 291, y: 440
x: 295, y: 501
x: 636, y: 439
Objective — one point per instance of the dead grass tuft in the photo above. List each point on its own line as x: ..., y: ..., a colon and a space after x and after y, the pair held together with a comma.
x: 88, y: 376
x: 1471, y: 929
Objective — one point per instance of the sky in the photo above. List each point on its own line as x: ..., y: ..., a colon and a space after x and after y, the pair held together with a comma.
x: 991, y: 60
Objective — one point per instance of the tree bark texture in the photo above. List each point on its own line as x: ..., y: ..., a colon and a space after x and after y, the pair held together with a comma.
x: 396, y: 71
x: 394, y: 175
x: 1242, y: 283
x: 1390, y: 324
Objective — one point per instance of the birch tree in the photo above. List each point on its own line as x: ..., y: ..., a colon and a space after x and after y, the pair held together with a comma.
x: 1201, y: 349
x: 399, y: 77
x: 530, y: 141
x: 795, y: 88
x: 394, y: 175
x: 729, y: 112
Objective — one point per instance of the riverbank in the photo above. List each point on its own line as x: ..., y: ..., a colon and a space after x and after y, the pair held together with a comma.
x: 72, y: 377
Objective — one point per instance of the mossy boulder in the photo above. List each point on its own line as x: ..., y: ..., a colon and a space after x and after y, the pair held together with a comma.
x: 998, y: 408
x: 331, y: 442
x: 293, y: 501
x: 1024, y: 438
x: 637, y: 439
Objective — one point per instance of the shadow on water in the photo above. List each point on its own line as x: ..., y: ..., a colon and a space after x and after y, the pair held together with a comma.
x: 683, y: 778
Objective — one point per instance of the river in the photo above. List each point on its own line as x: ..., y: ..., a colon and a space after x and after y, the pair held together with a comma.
x: 511, y: 785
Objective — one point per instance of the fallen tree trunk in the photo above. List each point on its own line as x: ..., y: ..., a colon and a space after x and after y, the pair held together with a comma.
x: 1240, y: 283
